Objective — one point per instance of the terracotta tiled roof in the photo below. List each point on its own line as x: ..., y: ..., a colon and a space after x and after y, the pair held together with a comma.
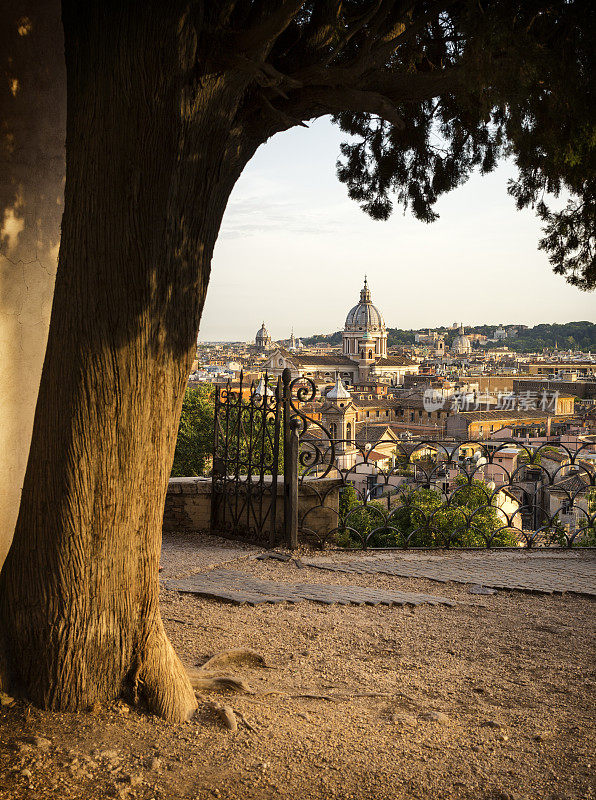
x: 324, y: 361
x: 395, y: 361
x: 370, y: 434
x: 374, y: 455
x: 377, y: 402
x: 518, y: 416
x: 552, y: 456
x: 572, y: 484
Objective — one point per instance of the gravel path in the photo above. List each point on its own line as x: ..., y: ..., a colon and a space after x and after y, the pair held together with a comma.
x: 562, y: 571
x: 492, y: 699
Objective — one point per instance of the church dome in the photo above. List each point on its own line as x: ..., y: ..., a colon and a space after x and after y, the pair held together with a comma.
x: 263, y: 339
x: 461, y: 343
x: 365, y: 315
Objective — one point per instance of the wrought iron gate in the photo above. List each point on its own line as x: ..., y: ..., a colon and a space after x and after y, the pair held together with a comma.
x: 255, y: 456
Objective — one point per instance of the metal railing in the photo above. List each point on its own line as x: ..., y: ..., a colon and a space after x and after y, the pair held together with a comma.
x: 391, y: 492
x: 453, y: 494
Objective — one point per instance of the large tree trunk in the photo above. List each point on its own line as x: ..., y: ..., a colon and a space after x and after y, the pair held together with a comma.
x: 151, y: 161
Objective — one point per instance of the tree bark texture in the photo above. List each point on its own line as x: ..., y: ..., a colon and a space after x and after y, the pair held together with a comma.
x: 152, y: 157
x: 166, y: 103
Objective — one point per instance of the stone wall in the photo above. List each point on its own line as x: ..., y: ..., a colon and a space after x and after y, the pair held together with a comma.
x: 188, y: 506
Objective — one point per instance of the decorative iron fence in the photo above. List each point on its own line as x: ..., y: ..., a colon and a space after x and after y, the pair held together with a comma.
x: 393, y: 492
x: 256, y: 458
x: 429, y: 494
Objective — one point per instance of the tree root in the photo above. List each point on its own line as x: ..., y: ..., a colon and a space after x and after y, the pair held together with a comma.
x: 241, y: 716
x: 238, y: 656
x: 163, y: 681
x: 203, y: 682
x: 226, y: 715
x: 207, y: 677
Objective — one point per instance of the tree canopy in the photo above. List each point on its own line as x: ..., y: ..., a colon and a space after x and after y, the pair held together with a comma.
x: 429, y: 91
x: 523, y: 90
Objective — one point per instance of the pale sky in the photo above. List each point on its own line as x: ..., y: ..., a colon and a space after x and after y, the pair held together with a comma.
x: 294, y: 248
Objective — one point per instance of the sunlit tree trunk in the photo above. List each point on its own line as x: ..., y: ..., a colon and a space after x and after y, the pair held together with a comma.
x: 151, y: 161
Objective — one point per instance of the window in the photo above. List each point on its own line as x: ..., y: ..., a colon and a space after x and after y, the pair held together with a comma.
x: 387, y: 413
x: 368, y: 413
x: 333, y: 430
x: 349, y: 432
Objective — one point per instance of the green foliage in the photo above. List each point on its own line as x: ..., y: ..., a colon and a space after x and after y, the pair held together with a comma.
x: 397, y: 337
x: 329, y: 338
x: 588, y: 534
x: 423, y: 519
x: 195, y: 433
x: 526, y: 92
x: 361, y: 519
x: 568, y: 336
x: 537, y: 456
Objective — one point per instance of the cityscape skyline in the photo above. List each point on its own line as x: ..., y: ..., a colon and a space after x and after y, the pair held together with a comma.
x: 290, y: 223
x: 446, y: 327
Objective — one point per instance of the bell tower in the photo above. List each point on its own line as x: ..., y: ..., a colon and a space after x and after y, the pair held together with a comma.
x: 367, y: 356
x: 339, y: 417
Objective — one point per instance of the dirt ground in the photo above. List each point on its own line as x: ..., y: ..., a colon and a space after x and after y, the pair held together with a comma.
x: 490, y: 700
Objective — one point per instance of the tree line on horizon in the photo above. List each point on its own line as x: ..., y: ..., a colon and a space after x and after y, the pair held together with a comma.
x: 566, y: 336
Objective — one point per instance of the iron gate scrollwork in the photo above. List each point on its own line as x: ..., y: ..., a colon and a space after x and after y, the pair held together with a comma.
x: 256, y: 439
x: 246, y: 452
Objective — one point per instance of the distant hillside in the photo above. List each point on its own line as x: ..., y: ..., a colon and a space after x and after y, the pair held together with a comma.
x: 328, y: 338
x: 566, y: 336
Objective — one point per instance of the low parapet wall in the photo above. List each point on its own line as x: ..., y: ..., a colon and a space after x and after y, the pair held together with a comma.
x: 188, y: 505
